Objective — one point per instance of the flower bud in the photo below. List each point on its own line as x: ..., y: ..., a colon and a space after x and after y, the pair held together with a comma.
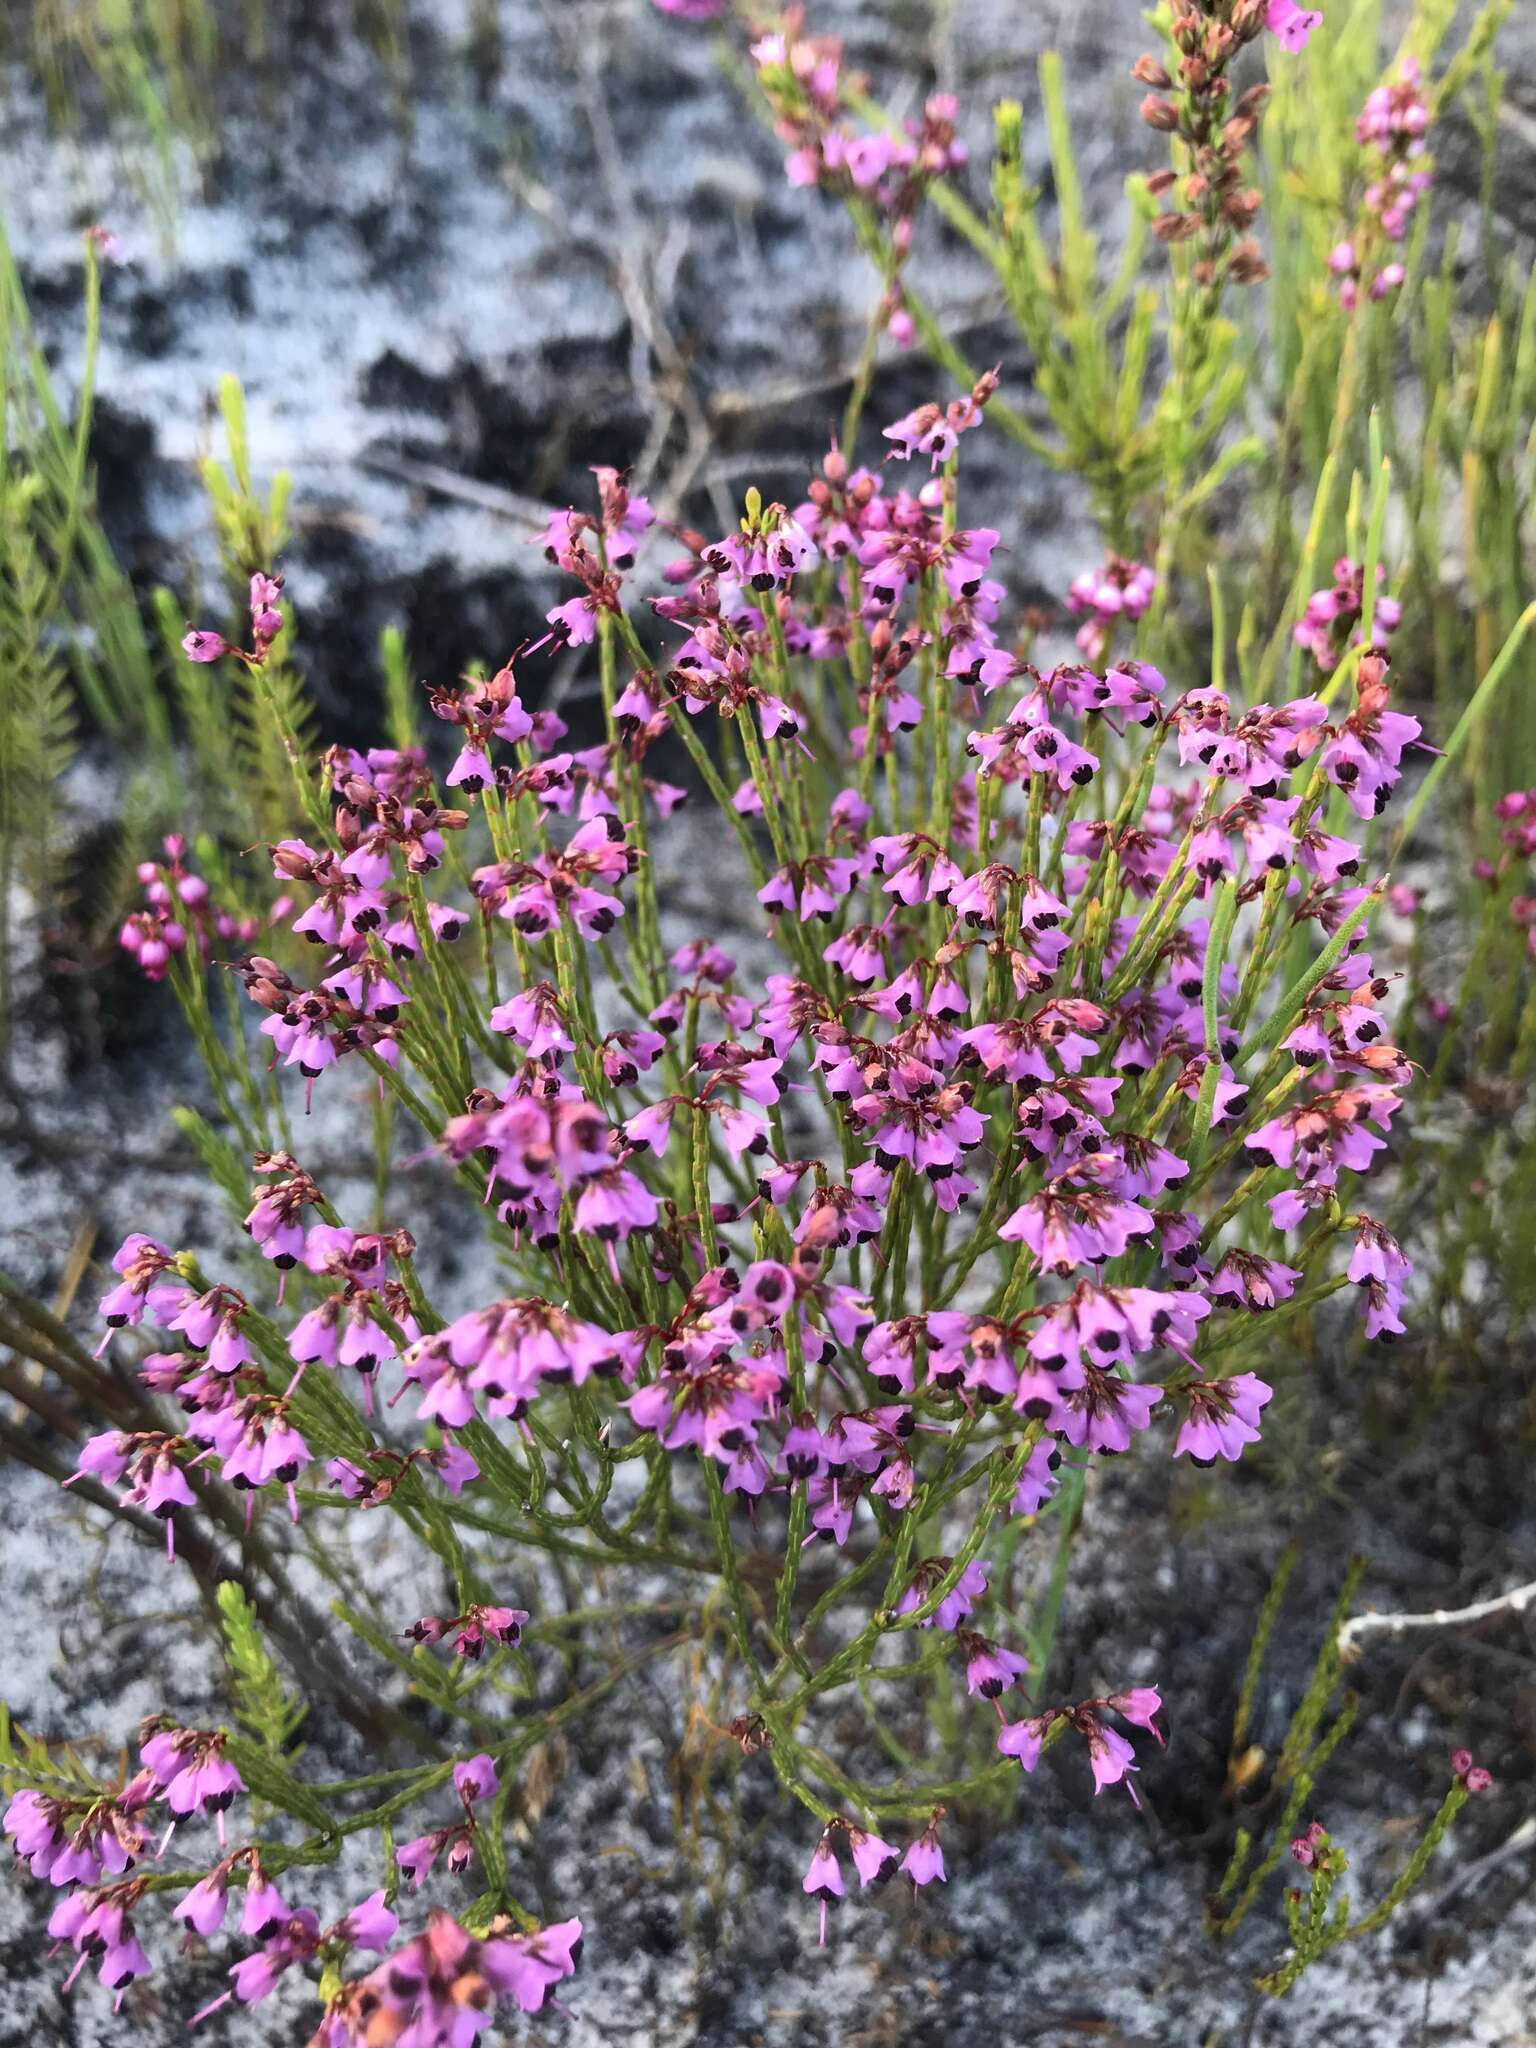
x: 1147, y: 71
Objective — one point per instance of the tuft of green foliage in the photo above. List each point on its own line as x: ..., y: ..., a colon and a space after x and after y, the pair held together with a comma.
x: 271, y: 1713
x: 1317, y: 1922
x: 72, y: 650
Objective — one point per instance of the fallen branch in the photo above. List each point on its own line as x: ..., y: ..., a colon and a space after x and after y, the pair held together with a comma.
x: 1472, y: 1874
x: 1513, y: 1602
x: 447, y: 483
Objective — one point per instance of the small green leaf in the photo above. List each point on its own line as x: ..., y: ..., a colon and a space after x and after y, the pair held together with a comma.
x: 267, y: 1779
x: 256, y: 1685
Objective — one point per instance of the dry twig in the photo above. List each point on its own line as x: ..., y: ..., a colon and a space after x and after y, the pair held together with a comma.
x: 1514, y: 1602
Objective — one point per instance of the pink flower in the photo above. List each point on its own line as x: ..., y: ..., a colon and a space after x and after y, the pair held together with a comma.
x: 264, y: 1911
x: 990, y: 1669
x: 924, y: 1860
x: 476, y: 1779
x: 528, y: 1966
x: 203, y: 1908
x: 1024, y: 1739
x: 202, y: 645
x: 1110, y: 1757
x: 873, y: 1859
x: 1140, y: 1704
x: 1223, y: 1417
x: 823, y: 1880
x: 1292, y: 24
x: 417, y: 1857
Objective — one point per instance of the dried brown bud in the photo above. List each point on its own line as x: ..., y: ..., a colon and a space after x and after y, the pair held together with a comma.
x: 1235, y: 135
x: 899, y: 655
x: 1241, y: 208
x: 275, y: 1162
x: 267, y: 994
x: 1161, y: 182
x: 1187, y: 29
x: 1247, y: 264
x: 296, y: 867
x: 1159, y: 114
x: 1175, y: 227
x: 751, y: 1732
x: 1253, y: 101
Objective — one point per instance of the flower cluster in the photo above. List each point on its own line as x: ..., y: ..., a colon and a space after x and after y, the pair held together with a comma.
x: 1333, y: 618
x: 888, y: 170
x: 1392, y: 130
x: 437, y: 1989
x: 286, y: 1938
x: 874, y: 1861
x: 1101, y: 598
x: 1214, y: 206
x: 1516, y: 813
x: 785, y: 1287
x: 937, y: 929
x: 1110, y: 1754
x: 265, y: 601
x: 219, y: 1376
x: 804, y: 81
x: 474, y: 1780
x: 1474, y: 1777
x: 179, y: 911
x: 442, y: 1989
x: 83, y: 1844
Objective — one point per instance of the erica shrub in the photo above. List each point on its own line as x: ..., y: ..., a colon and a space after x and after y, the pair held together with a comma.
x: 1066, y: 1075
